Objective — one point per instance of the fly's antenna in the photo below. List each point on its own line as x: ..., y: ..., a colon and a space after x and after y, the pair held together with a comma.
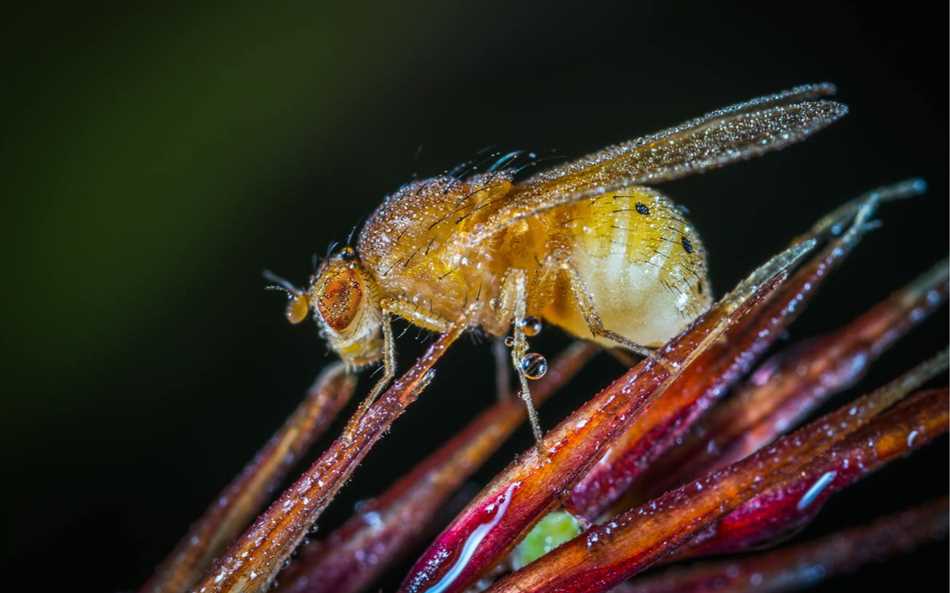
x: 297, y: 305
x: 280, y: 283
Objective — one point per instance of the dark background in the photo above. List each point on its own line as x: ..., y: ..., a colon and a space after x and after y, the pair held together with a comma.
x: 155, y: 160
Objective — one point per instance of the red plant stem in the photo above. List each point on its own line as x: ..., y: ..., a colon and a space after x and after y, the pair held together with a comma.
x: 611, y: 553
x: 529, y: 488
x: 793, y: 383
x: 778, y: 512
x: 352, y: 557
x: 668, y: 417
x: 252, y: 562
x: 805, y: 565
x: 244, y: 497
x: 478, y: 538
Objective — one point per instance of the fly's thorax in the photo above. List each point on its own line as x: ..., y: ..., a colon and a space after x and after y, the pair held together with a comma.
x: 345, y: 301
x: 413, y: 244
x: 419, y: 223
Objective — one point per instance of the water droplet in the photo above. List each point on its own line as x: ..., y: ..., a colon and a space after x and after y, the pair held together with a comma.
x: 531, y: 326
x: 534, y: 365
x: 473, y: 541
x: 911, y: 438
x: 373, y: 519
x: 815, y: 490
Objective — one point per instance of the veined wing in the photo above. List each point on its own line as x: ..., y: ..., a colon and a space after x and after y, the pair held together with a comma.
x: 730, y: 134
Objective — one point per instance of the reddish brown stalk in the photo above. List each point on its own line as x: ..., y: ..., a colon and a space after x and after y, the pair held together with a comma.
x: 244, y: 497
x: 711, y: 353
x: 611, y: 553
x: 524, y: 492
x: 668, y: 417
x: 807, y: 564
x: 252, y: 562
x: 778, y: 512
x: 792, y: 384
x: 353, y: 556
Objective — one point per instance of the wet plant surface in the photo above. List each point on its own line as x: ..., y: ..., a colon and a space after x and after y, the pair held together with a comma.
x: 721, y: 443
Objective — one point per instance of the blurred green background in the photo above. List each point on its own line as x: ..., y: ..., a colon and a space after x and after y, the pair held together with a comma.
x: 156, y: 158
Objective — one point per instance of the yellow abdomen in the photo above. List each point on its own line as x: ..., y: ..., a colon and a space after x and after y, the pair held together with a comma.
x: 643, y: 265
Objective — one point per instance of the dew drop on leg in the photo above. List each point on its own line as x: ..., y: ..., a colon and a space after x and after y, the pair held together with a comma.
x: 533, y: 365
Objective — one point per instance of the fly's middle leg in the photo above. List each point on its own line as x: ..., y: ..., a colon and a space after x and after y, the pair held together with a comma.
x: 513, y: 306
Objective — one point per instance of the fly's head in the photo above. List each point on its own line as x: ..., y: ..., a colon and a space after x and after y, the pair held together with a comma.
x: 345, y: 306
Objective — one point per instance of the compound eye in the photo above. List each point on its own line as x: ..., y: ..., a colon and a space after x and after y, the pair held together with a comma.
x: 297, y: 308
x: 339, y: 299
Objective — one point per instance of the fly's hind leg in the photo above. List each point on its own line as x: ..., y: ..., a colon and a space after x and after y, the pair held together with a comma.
x: 513, y: 307
x: 585, y: 302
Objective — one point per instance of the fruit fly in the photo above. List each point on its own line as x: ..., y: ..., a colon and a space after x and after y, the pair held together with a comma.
x: 587, y: 246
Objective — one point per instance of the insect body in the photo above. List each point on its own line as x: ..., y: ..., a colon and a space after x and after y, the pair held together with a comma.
x: 587, y: 246
x: 626, y: 257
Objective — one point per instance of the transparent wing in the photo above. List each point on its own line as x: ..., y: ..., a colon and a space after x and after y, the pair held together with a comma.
x: 734, y: 133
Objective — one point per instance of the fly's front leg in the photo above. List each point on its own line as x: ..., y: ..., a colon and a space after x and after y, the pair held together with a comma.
x: 514, y: 303
x: 450, y: 332
x: 389, y: 366
x: 585, y: 302
x: 407, y: 311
